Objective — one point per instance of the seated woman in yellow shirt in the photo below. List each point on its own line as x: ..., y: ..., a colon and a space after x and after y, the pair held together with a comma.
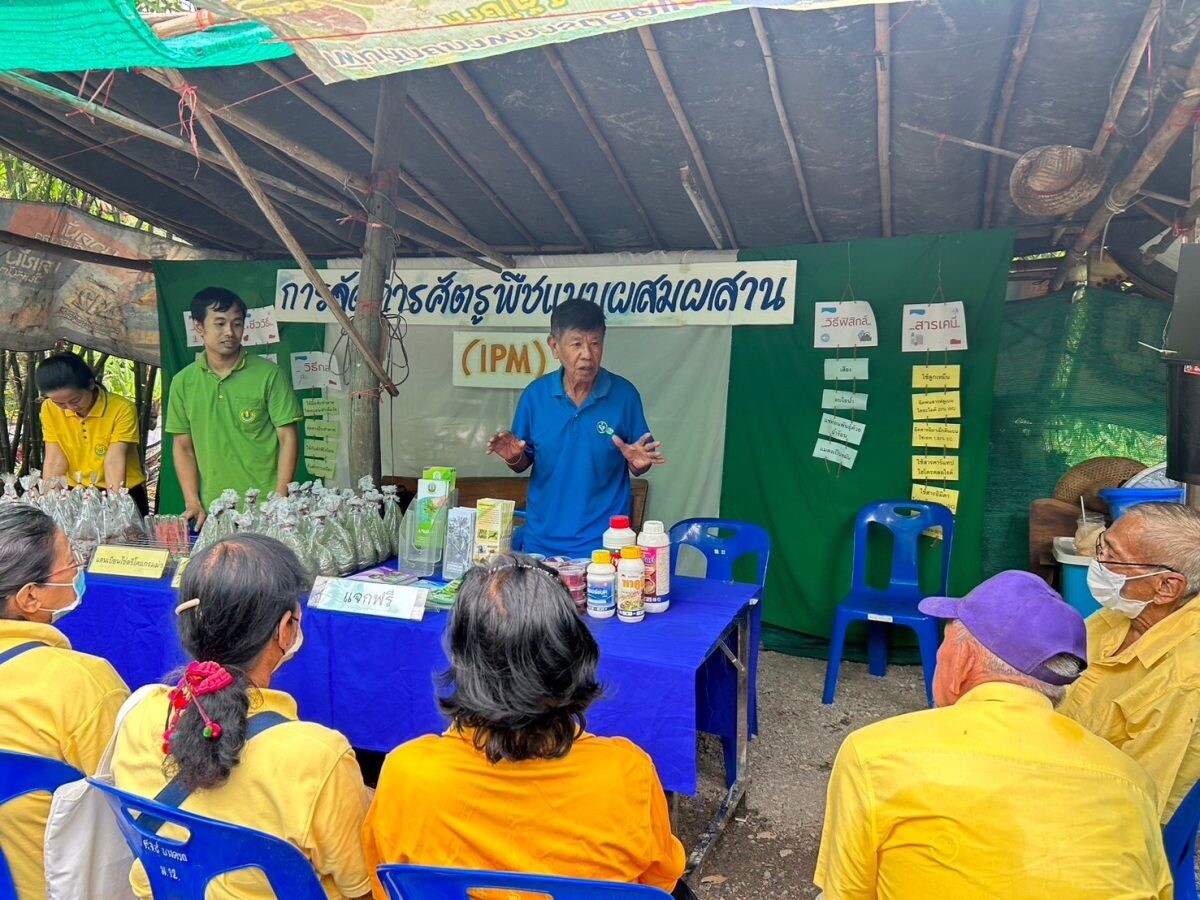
x: 54, y: 701
x: 516, y: 784
x: 88, y: 430
x: 239, y: 620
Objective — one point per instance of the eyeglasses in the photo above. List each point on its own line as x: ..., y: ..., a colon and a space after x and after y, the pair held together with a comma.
x: 1101, y: 548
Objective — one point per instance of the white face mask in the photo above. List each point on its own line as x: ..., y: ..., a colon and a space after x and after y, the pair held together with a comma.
x: 294, y: 649
x: 1106, y: 587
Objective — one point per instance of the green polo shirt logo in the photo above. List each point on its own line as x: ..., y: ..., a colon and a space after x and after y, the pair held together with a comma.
x: 248, y: 416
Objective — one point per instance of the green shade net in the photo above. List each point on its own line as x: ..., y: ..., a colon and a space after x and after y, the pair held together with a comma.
x: 75, y: 35
x: 775, y: 383
x: 1072, y: 383
x: 254, y: 282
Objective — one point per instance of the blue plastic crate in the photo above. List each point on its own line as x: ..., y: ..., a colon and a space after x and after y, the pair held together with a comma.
x: 1120, y: 499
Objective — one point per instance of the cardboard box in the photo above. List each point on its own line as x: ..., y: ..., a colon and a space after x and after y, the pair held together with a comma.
x: 493, y: 528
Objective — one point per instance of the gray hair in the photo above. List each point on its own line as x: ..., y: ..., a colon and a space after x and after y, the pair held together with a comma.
x: 1067, y: 665
x: 1171, y: 535
x: 26, y: 549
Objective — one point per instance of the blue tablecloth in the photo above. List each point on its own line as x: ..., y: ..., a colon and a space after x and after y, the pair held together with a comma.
x: 373, y: 678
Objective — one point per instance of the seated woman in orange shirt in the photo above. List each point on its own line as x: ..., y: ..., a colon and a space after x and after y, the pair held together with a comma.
x: 240, y: 621
x: 516, y: 784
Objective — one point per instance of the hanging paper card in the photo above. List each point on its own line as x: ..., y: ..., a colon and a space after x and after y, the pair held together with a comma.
x: 935, y: 468
x: 320, y: 468
x: 320, y: 449
x: 936, y: 434
x: 845, y: 369
x: 319, y: 406
x: 946, y: 496
x: 261, y: 328
x: 935, y: 376
x: 841, y: 429
x: 314, y: 370
x: 835, y: 452
x: 842, y: 400
x: 933, y: 326
x: 844, y: 323
x: 319, y: 428
x: 936, y: 405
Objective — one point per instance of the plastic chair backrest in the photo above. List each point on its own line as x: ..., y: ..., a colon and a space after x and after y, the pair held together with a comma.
x: 180, y: 868
x: 1179, y: 840
x: 723, y: 542
x: 405, y: 882
x: 905, y: 519
x: 25, y: 773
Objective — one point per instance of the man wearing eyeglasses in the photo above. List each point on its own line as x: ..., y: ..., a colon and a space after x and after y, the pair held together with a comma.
x: 1141, y: 689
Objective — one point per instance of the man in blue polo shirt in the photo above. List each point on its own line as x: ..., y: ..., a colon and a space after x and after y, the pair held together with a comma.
x: 583, y: 431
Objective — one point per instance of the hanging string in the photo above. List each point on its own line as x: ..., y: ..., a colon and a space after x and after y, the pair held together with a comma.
x: 105, y: 85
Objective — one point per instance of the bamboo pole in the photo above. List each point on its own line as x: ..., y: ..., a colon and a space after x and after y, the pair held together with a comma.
x: 883, y: 112
x: 268, y: 209
x: 974, y: 145
x: 1125, y: 80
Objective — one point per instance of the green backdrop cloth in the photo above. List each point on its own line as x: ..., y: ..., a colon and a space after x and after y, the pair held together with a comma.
x: 1072, y: 383
x: 76, y: 35
x: 254, y: 282
x: 774, y: 408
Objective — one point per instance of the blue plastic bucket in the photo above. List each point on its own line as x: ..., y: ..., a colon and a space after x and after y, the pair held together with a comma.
x: 1120, y: 499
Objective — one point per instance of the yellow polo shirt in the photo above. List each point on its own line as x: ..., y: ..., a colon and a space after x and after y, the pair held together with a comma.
x: 84, y: 441
x: 995, y: 796
x: 1145, y: 700
x: 54, y: 702
x: 598, y: 812
x: 298, y: 781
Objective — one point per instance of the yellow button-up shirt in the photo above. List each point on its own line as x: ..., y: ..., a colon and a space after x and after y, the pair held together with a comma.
x: 995, y: 796
x: 1145, y: 700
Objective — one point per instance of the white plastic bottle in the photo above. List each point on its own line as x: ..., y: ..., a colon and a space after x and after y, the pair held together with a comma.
x: 631, y: 581
x: 601, y: 586
x: 656, y: 556
x: 618, y: 535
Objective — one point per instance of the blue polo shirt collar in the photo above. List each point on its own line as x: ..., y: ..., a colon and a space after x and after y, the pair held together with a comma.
x: 599, y: 390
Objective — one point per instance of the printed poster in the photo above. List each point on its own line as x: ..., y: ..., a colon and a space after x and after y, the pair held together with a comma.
x: 844, y: 323
x: 933, y: 326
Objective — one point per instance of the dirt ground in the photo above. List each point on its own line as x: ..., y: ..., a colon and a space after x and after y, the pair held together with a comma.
x: 770, y: 849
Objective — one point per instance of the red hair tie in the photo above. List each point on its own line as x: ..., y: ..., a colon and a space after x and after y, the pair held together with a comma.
x: 199, y: 678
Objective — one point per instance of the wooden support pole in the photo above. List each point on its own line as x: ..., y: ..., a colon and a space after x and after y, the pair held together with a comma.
x: 974, y: 145
x: 1180, y: 118
x: 685, y: 127
x: 1019, y: 51
x: 883, y: 112
x: 1125, y: 79
x: 218, y: 137
x: 764, y: 43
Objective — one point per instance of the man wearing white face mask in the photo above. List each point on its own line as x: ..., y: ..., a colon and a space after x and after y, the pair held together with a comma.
x: 54, y: 701
x: 1141, y: 690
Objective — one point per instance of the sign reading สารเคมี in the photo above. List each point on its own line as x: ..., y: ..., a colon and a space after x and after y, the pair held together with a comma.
x: 708, y: 293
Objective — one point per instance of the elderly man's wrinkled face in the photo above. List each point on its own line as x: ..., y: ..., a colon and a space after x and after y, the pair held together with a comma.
x: 949, y: 665
x: 580, y: 353
x: 1120, y: 550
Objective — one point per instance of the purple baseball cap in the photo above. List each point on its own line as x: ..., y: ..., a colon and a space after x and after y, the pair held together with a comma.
x: 1021, y: 619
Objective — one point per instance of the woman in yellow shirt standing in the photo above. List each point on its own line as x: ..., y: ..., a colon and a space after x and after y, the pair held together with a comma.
x: 239, y: 620
x: 88, y: 430
x: 516, y: 784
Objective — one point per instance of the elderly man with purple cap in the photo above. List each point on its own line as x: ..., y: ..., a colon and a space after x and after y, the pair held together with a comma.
x: 993, y: 793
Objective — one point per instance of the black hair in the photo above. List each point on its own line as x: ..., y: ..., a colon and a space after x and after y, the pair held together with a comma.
x: 582, y: 315
x: 246, y: 584
x: 63, y: 370
x: 218, y: 299
x: 26, y: 549
x: 522, y: 663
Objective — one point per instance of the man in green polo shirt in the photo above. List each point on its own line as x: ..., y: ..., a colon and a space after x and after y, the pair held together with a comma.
x: 233, y: 414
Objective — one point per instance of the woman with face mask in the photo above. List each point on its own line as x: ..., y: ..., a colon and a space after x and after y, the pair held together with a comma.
x: 54, y: 701
x: 232, y: 746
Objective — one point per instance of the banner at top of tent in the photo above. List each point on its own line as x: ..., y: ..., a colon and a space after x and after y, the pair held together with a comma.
x: 351, y: 39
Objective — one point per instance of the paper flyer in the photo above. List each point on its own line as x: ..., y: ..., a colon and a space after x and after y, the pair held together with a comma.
x: 937, y: 405
x: 941, y: 377
x: 935, y: 468
x: 835, y: 452
x: 946, y: 496
x: 936, y: 434
x: 846, y: 369
x: 843, y: 400
x: 844, y: 323
x: 320, y: 406
x: 933, y: 326
x: 841, y: 429
x: 314, y: 370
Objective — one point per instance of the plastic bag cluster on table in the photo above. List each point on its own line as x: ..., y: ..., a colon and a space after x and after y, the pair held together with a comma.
x: 333, y: 532
x: 89, y: 516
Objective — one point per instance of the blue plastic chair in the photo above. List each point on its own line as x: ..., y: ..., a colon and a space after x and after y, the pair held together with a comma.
x: 405, y: 882
x: 181, y: 868
x: 25, y: 773
x: 897, y: 603
x: 723, y: 542
x: 1179, y: 840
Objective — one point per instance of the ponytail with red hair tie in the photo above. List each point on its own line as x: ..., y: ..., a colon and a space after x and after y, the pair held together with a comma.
x: 199, y: 678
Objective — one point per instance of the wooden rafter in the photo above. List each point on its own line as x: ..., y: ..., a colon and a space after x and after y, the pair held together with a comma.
x: 883, y: 112
x: 685, y: 127
x: 593, y: 127
x: 764, y: 43
x: 1009, y: 87
x: 514, y: 143
x: 1125, y: 79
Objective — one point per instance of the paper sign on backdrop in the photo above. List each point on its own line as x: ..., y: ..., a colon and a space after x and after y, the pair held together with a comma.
x: 936, y: 434
x: 844, y: 323
x: 320, y: 406
x: 320, y: 449
x: 846, y: 369
x: 935, y: 468
x: 319, y: 468
x: 945, y: 496
x: 500, y: 359
x: 317, y: 428
x: 835, y: 452
x: 933, y: 326
x: 261, y: 328
x: 842, y: 400
x: 936, y: 376
x: 841, y: 429
x: 937, y: 405
x: 314, y: 370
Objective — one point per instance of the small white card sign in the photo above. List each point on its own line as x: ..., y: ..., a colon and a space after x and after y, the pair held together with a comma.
x: 261, y: 328
x: 395, y: 601
x: 835, y: 452
x: 314, y: 370
x: 842, y: 400
x: 841, y: 429
x: 844, y: 323
x: 846, y: 369
x: 933, y: 326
